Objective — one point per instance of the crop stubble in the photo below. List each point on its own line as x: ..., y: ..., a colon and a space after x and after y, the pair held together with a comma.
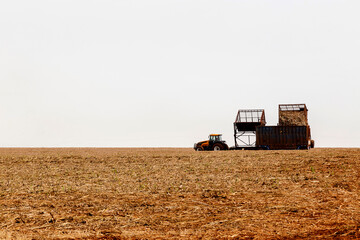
x: 179, y: 193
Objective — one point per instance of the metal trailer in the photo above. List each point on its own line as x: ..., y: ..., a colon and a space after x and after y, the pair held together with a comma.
x: 283, y: 137
x: 246, y: 122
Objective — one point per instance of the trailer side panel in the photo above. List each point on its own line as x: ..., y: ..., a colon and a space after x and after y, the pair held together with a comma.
x: 283, y: 137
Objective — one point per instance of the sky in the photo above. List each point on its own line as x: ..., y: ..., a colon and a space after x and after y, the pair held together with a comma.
x: 167, y: 73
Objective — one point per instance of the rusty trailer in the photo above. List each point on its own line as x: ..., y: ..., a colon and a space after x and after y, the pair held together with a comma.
x: 283, y: 137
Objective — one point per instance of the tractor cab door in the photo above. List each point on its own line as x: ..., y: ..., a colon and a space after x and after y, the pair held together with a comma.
x: 214, y: 139
x: 211, y: 141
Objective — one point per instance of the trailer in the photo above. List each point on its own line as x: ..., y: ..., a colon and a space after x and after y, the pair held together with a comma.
x: 292, y: 131
x: 246, y: 122
x: 283, y: 137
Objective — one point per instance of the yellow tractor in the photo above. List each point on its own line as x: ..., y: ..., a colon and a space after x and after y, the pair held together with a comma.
x: 215, y: 143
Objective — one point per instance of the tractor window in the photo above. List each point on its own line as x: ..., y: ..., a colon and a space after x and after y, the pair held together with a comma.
x: 215, y: 138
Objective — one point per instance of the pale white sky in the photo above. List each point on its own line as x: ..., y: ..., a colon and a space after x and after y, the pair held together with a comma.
x: 167, y: 73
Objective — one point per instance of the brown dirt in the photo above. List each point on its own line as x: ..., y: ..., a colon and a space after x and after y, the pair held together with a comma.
x: 292, y: 118
x: 179, y: 194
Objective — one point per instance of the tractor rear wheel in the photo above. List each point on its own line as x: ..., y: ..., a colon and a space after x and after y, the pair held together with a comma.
x: 217, y: 147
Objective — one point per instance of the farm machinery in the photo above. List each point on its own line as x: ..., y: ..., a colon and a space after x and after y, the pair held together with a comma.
x: 215, y: 143
x: 252, y: 133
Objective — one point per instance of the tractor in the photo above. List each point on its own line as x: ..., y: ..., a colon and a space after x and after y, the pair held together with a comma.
x: 215, y: 143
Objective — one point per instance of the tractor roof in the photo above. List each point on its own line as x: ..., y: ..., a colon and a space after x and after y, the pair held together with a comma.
x: 215, y: 134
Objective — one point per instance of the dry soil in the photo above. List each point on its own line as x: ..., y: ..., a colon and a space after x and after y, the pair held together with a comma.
x: 179, y: 194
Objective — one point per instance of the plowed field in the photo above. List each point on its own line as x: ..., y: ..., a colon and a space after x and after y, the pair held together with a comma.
x: 179, y: 194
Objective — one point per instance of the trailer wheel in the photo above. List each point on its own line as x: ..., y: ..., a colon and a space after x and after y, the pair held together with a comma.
x: 312, y: 145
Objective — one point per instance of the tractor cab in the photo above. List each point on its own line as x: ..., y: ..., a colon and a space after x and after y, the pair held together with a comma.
x: 215, y: 143
x: 215, y: 137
